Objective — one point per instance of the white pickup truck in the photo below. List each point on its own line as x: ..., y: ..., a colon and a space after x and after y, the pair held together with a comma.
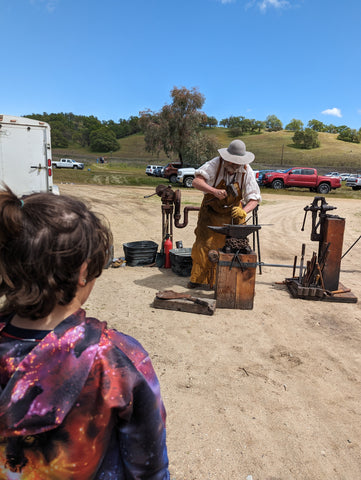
x: 186, y: 176
x: 67, y: 163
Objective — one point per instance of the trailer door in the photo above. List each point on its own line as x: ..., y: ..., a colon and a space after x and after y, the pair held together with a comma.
x: 23, y: 158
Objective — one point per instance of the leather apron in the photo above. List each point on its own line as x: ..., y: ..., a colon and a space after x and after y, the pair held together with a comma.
x: 213, y: 212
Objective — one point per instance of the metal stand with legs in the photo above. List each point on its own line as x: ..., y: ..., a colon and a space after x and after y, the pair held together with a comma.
x: 256, y: 238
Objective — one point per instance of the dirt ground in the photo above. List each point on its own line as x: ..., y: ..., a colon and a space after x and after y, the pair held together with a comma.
x: 271, y: 393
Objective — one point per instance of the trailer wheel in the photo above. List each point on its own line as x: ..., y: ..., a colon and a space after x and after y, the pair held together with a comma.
x: 324, y: 188
x: 277, y: 184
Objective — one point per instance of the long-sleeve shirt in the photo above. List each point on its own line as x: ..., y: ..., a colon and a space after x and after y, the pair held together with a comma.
x: 82, y: 403
x: 250, y: 188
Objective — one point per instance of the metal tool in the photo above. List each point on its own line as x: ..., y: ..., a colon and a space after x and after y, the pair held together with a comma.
x: 171, y: 205
x: 231, y: 190
x: 235, y: 231
x: 318, y: 206
x: 354, y: 243
x: 301, y: 262
x: 320, y: 280
x: 328, y: 231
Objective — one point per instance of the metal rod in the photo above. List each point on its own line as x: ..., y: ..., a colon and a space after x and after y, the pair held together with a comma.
x: 277, y: 265
x: 255, y: 264
x: 302, y: 260
x: 354, y: 243
x: 294, y: 266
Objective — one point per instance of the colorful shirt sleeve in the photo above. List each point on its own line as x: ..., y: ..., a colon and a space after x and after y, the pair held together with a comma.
x: 141, y: 426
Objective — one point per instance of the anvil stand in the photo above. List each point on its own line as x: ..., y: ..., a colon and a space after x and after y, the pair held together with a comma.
x: 236, y: 272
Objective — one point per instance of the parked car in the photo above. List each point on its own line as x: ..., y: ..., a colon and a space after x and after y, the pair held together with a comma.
x: 332, y: 174
x: 171, y: 170
x: 344, y: 176
x: 185, y: 176
x: 354, y: 181
x: 150, y: 169
x: 158, y: 172
x: 261, y: 173
x: 301, y: 177
x: 68, y: 163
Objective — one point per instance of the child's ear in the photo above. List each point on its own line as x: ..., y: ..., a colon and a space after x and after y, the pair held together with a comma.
x: 83, y: 273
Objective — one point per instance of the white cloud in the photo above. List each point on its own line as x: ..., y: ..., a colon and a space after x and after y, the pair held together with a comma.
x: 336, y: 112
x: 50, y: 5
x: 266, y: 4
x: 272, y: 3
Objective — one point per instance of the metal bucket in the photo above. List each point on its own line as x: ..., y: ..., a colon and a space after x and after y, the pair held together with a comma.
x: 181, y: 261
x: 140, y: 253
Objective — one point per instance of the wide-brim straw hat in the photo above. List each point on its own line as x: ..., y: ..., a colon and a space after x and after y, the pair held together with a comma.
x: 236, y: 153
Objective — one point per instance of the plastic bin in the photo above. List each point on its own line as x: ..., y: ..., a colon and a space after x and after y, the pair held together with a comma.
x: 140, y: 253
x: 181, y: 261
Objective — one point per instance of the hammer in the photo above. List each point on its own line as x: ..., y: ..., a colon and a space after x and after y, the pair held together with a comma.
x: 231, y: 190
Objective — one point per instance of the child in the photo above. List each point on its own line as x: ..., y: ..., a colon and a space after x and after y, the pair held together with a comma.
x: 77, y: 400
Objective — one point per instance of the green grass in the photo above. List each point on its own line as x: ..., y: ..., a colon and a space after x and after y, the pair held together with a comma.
x: 272, y: 149
x: 134, y: 175
x: 276, y: 149
x: 107, y: 174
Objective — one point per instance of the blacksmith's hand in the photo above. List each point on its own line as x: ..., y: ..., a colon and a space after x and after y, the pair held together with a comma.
x: 220, y: 194
x: 238, y: 215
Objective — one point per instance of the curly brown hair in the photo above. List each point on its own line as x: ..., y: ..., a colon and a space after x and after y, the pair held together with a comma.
x: 44, y: 240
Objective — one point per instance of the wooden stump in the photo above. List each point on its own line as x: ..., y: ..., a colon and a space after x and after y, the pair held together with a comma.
x: 235, y: 282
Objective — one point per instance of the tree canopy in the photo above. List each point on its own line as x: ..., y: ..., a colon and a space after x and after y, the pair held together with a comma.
x: 307, y: 138
x: 67, y: 128
x: 294, y: 125
x: 316, y: 125
x: 103, y: 140
x: 349, y: 135
x: 176, y: 128
x: 273, y: 124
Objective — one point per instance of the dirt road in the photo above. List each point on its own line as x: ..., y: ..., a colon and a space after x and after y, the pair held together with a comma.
x: 269, y: 394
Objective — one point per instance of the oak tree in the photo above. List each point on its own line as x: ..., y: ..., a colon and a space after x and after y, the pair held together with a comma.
x: 176, y: 126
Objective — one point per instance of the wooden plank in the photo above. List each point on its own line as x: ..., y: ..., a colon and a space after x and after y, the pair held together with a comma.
x: 347, y: 297
x: 182, y: 305
x: 235, y: 285
x: 334, y: 227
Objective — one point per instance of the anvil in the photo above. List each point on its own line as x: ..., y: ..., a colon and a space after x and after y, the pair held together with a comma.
x: 236, y: 231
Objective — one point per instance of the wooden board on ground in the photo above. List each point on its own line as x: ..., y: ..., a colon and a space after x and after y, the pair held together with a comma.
x: 183, y: 305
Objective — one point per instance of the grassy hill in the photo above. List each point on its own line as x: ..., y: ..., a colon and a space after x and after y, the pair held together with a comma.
x: 272, y: 149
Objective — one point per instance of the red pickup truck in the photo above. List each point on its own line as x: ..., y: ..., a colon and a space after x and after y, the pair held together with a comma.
x: 301, y: 177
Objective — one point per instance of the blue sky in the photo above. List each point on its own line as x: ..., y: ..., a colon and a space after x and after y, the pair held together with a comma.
x: 114, y: 58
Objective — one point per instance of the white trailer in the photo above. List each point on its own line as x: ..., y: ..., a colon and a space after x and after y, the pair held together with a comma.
x: 25, y: 155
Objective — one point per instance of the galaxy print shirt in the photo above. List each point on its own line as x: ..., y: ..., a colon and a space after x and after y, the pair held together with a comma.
x: 82, y: 403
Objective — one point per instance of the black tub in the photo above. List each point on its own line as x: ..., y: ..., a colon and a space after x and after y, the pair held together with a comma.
x: 181, y: 261
x: 140, y: 253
